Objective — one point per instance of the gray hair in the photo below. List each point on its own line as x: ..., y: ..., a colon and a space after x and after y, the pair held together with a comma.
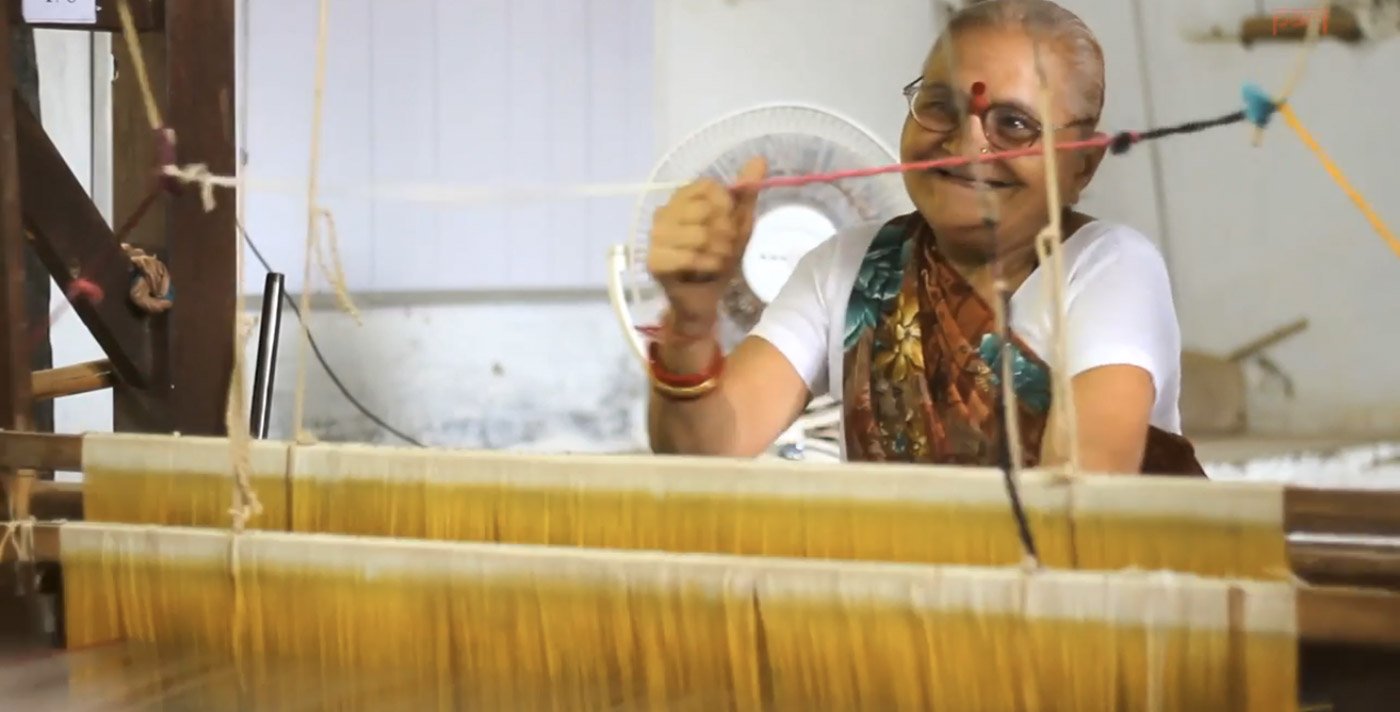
x: 1045, y: 22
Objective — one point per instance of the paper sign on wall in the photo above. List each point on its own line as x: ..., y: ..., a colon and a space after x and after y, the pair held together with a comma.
x: 60, y: 11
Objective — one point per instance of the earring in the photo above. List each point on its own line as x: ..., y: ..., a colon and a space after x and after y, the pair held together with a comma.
x: 984, y: 149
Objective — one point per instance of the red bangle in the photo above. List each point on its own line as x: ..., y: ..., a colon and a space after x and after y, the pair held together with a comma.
x: 660, y: 375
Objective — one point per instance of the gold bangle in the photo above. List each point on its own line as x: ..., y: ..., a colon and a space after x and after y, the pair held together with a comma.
x: 684, y: 392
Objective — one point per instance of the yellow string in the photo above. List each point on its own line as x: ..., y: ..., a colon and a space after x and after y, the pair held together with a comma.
x: 133, y: 45
x: 1341, y: 180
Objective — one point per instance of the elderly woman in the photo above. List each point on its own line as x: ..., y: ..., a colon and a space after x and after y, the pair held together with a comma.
x: 894, y: 319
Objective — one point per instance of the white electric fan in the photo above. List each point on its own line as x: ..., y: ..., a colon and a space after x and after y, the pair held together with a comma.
x: 790, y: 221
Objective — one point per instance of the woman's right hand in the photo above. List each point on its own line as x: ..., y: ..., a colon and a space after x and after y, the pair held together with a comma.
x: 697, y: 241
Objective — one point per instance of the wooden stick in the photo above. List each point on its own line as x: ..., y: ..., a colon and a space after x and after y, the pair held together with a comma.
x: 72, y: 380
x: 1346, y: 563
x: 1267, y: 340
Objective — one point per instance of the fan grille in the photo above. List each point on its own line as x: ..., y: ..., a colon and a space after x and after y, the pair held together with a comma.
x: 796, y: 140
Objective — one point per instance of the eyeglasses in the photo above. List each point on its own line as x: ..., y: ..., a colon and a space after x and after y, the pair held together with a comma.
x: 1007, y: 127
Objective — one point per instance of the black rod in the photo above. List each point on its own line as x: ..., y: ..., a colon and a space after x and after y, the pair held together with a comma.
x: 266, y: 371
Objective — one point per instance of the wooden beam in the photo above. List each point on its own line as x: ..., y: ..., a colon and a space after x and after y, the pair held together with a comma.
x: 1377, y: 511
x: 144, y: 410
x: 16, y: 401
x: 1352, y: 616
x: 1347, y: 563
x: 149, y: 16
x: 72, y: 380
x: 203, y: 246
x: 71, y: 237
x: 22, y: 450
x: 1374, y: 513
x: 53, y: 501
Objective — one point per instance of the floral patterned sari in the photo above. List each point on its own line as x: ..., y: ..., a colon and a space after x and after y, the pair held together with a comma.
x: 922, y: 366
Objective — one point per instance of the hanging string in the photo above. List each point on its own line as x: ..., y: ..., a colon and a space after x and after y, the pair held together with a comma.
x: 246, y: 502
x: 1009, y: 448
x: 138, y: 62
x: 19, y: 534
x: 1300, y: 63
x: 1049, y: 248
x: 333, y: 268
x: 312, y: 210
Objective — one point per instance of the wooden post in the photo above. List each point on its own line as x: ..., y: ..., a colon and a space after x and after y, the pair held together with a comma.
x: 26, y: 71
x: 202, y: 246
x: 144, y: 410
x: 15, y: 400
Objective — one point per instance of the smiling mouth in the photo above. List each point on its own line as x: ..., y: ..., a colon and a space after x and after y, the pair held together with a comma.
x: 968, y: 180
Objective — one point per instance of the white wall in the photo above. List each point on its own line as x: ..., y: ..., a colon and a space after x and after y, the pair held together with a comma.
x: 66, y: 104
x: 451, y: 93
x: 1254, y: 237
x: 1260, y: 237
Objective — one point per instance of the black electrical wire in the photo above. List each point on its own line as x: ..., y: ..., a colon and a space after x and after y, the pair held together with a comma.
x: 321, y: 358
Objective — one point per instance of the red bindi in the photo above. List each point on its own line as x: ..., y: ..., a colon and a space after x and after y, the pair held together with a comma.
x: 979, y: 101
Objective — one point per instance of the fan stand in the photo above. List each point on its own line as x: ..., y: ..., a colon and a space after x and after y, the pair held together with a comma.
x: 617, y: 296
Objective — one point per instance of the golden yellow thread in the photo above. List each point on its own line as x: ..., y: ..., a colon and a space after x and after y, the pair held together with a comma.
x: 343, y: 623
x: 944, y: 516
x: 138, y: 61
x: 1340, y: 179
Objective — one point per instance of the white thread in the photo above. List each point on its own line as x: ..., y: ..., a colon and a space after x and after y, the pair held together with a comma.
x: 198, y: 174
x: 1048, y: 247
x: 19, y: 534
x: 333, y: 268
x: 430, y: 193
x: 312, y: 211
x: 1300, y: 64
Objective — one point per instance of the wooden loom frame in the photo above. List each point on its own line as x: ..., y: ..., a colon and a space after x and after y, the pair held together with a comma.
x: 1348, y: 623
x: 189, y: 50
x: 1349, y: 603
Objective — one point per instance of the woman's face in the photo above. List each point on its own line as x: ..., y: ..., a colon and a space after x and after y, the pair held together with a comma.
x: 1004, y: 62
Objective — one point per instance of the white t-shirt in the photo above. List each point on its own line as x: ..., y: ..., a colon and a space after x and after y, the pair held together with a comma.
x: 1118, y: 302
